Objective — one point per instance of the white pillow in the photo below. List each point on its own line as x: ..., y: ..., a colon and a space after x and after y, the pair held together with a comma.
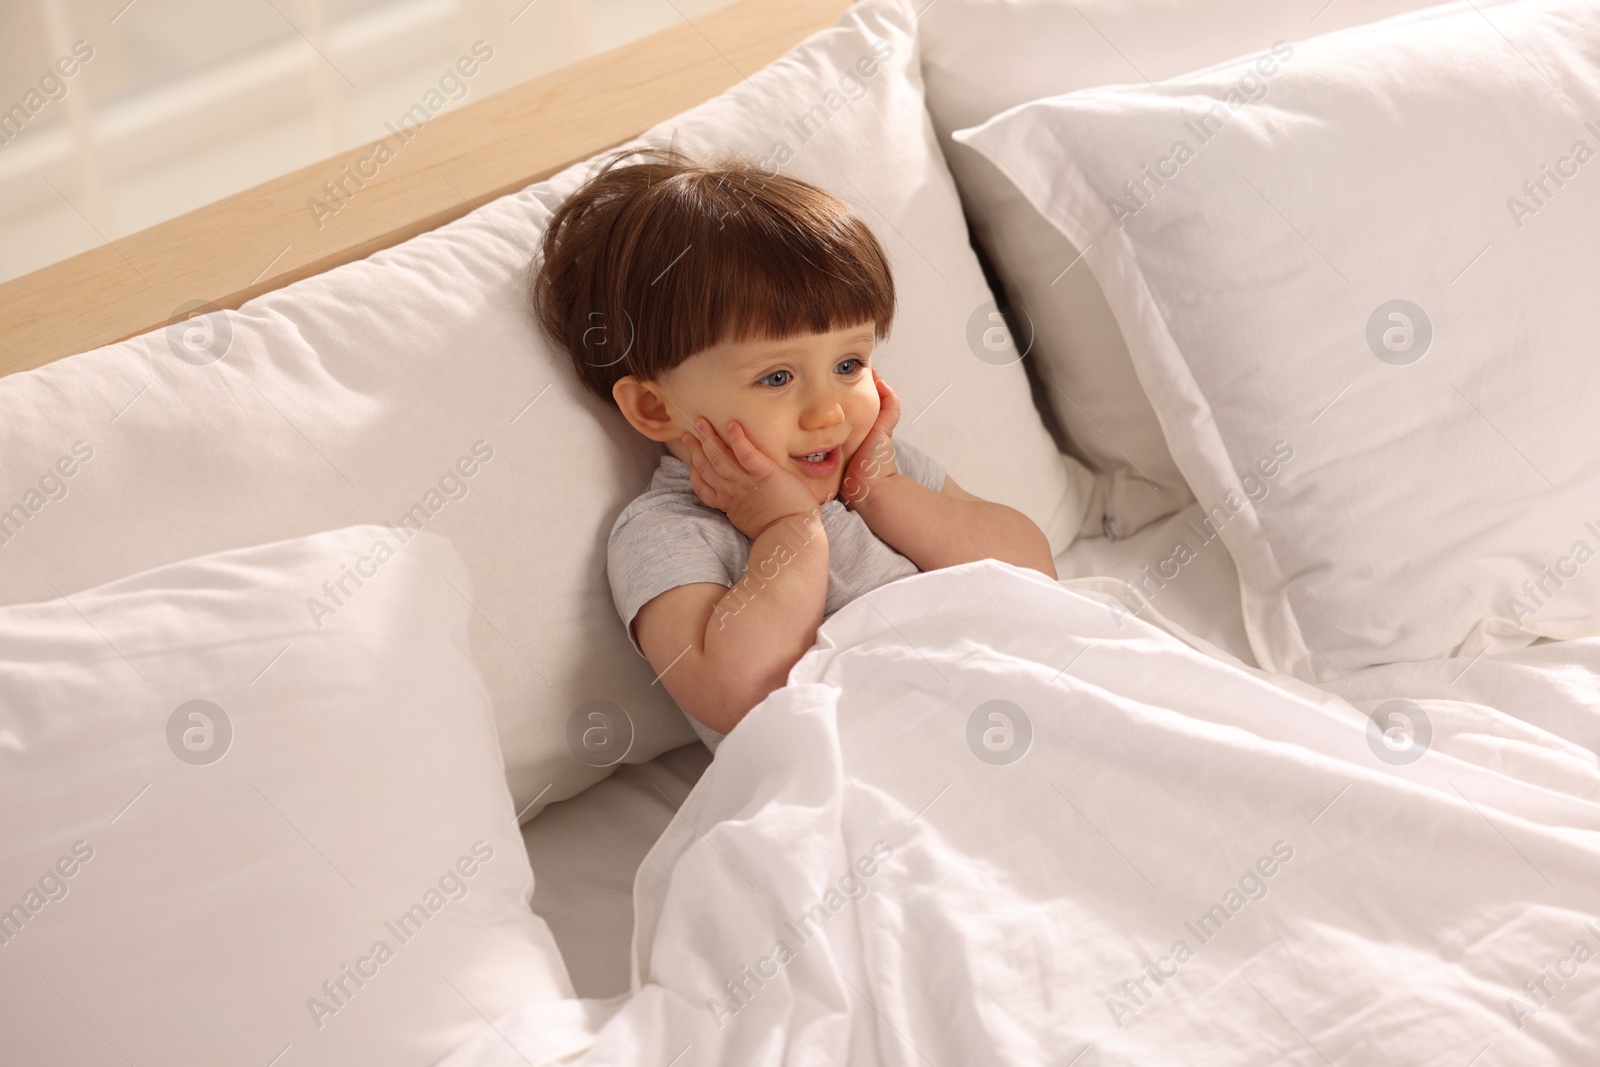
x: 981, y: 57
x: 1404, y: 496
x: 415, y: 379
x: 178, y: 882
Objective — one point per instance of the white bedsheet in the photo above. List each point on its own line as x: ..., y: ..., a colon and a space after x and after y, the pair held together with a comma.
x: 586, y: 850
x: 1181, y: 566
x: 1361, y: 909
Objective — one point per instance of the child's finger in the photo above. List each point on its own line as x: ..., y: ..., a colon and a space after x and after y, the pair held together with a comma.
x: 888, y: 406
x: 697, y: 457
x: 890, y: 409
x: 696, y: 479
x: 886, y: 391
x: 717, y: 458
x: 749, y: 456
x: 729, y: 465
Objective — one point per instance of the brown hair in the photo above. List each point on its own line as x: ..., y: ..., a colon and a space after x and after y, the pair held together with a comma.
x: 649, y: 262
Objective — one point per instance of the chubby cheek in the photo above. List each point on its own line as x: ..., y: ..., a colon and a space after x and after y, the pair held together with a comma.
x: 772, y: 444
x: 760, y: 434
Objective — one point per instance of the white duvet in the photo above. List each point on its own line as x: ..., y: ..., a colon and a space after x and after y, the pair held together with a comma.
x: 1191, y: 862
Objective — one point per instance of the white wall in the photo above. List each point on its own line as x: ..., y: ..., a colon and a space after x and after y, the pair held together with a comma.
x: 188, y: 101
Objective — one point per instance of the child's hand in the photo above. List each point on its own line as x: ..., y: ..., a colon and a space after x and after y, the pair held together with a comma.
x: 740, y: 480
x: 873, y: 461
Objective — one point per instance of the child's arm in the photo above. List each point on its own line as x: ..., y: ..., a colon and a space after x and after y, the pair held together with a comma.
x: 720, y: 650
x: 934, y: 529
x: 738, y: 644
x: 943, y: 529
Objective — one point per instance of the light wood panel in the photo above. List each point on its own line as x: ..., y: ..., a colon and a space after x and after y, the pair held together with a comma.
x: 268, y: 236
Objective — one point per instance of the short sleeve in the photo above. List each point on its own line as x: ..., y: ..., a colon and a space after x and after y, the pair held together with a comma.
x: 918, y: 465
x: 659, y: 548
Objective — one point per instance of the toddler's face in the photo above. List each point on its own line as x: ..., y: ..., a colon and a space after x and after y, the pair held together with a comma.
x: 804, y: 394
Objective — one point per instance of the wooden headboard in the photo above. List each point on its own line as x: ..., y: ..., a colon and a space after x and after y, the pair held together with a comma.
x: 266, y: 237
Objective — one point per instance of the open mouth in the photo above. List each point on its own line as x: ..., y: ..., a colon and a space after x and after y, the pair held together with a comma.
x: 819, y: 464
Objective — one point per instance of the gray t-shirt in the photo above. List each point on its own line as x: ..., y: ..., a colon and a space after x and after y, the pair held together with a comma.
x: 669, y: 537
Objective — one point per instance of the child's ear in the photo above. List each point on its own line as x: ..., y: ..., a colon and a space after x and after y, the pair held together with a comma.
x: 644, y: 405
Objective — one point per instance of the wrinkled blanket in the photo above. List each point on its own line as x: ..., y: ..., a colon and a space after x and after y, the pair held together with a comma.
x: 998, y: 819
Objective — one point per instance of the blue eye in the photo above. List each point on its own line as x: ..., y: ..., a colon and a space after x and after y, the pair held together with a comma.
x: 860, y: 364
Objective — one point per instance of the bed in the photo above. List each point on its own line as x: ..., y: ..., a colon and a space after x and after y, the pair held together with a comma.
x: 322, y: 740
x: 604, y: 833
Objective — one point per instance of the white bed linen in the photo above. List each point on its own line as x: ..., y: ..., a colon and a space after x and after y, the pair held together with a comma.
x: 1008, y: 913
x: 231, y: 835
x: 586, y: 850
x: 1404, y: 452
x: 980, y: 57
x: 1186, y: 577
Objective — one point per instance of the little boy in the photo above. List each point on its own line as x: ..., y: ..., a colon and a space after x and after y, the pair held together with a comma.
x: 731, y: 315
